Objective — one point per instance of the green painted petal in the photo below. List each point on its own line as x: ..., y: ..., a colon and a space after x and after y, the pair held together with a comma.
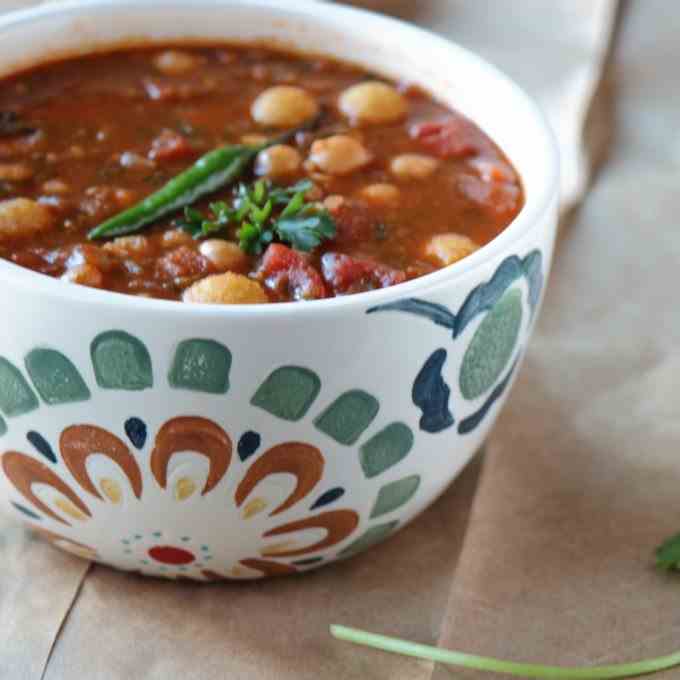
x: 369, y: 538
x: 3, y: 426
x: 386, y: 449
x: 348, y: 416
x: 201, y: 366
x: 121, y: 362
x: 491, y: 347
x: 395, y: 494
x: 288, y: 392
x: 55, y: 377
x: 16, y: 397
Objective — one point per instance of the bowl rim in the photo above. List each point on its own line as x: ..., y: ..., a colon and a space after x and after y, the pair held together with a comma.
x: 543, y: 198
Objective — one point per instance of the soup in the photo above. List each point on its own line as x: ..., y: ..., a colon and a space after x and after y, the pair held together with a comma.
x: 230, y: 174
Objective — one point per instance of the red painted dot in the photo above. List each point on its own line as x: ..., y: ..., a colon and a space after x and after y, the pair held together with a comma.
x: 168, y: 554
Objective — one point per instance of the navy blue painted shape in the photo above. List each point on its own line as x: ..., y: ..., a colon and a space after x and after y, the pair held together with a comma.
x: 439, y: 314
x: 41, y: 445
x: 471, y: 422
x: 135, y: 429
x: 24, y: 510
x: 486, y: 295
x: 431, y: 394
x: 328, y: 497
x: 249, y: 443
x: 533, y: 268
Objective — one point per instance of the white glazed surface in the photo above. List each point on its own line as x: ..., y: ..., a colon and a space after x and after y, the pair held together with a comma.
x: 348, y: 349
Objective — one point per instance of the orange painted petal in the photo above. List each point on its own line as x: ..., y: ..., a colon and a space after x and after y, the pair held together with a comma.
x: 79, y: 442
x: 192, y: 434
x: 23, y: 471
x: 338, y: 523
x: 302, y: 460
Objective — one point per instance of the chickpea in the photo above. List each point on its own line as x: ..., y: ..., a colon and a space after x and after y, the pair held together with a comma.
x: 224, y: 255
x: 226, y: 289
x: 22, y: 217
x: 175, y: 238
x: 373, y: 103
x: 446, y: 249
x: 321, y: 179
x: 382, y: 194
x: 176, y: 62
x: 411, y: 166
x: 56, y: 186
x: 15, y: 172
x: 85, y: 275
x: 339, y: 155
x: 284, y: 106
x: 334, y: 202
x: 278, y: 161
x: 253, y: 139
x: 90, y: 255
x: 128, y: 246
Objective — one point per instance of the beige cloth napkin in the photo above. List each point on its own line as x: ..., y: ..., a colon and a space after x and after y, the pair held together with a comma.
x: 582, y: 480
x: 125, y: 627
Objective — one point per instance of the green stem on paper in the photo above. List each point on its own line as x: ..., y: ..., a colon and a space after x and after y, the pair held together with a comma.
x: 522, y: 670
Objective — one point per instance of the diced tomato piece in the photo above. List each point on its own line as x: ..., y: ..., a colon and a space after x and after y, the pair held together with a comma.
x: 289, y: 274
x: 40, y: 260
x: 346, y: 274
x: 493, y: 170
x: 183, y: 263
x: 170, y: 146
x: 497, y: 198
x: 86, y: 253
x: 353, y: 221
x: 452, y: 137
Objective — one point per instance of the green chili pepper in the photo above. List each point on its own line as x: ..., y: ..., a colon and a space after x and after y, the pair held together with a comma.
x: 210, y: 173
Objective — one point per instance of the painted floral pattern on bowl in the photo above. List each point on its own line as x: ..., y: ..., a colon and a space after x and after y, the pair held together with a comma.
x: 204, y: 496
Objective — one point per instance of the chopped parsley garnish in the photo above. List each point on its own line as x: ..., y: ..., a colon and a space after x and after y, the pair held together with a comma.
x: 263, y: 213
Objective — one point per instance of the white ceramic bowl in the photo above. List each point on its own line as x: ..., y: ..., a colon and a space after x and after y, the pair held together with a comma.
x: 235, y: 442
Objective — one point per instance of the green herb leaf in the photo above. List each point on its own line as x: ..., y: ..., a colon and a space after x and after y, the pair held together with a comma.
x: 668, y: 554
x: 261, y: 215
x: 249, y: 239
x: 521, y: 670
x: 295, y: 206
x: 306, y: 232
x: 192, y: 223
x: 302, y: 225
x: 282, y: 195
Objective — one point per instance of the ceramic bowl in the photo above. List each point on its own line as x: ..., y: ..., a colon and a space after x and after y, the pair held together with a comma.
x: 212, y: 442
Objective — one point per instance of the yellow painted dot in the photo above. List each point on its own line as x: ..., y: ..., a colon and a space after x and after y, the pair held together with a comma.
x: 278, y: 548
x: 184, y: 488
x: 111, y: 489
x: 69, y: 509
x: 237, y: 572
x: 254, y: 507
